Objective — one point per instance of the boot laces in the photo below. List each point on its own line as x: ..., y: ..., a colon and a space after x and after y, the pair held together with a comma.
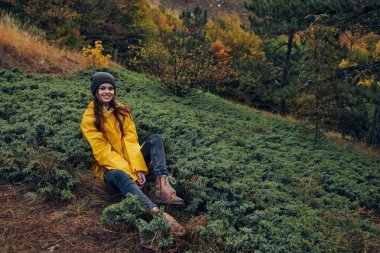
x: 170, y: 180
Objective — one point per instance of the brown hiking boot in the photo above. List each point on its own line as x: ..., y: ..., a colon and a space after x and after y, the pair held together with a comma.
x: 176, y: 228
x: 165, y: 193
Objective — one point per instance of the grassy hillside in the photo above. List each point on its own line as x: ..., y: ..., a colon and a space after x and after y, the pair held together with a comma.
x: 251, y: 182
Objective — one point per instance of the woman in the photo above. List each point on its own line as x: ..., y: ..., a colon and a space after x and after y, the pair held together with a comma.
x: 120, y: 161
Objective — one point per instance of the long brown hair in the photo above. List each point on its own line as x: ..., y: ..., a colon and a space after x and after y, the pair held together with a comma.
x: 118, y: 109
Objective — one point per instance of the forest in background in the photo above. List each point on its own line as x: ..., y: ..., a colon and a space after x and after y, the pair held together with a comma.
x: 317, y: 61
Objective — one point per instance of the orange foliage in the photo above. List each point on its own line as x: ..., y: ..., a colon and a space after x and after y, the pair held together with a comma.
x: 349, y: 39
x: 221, y: 52
x: 297, y: 38
x: 362, y: 48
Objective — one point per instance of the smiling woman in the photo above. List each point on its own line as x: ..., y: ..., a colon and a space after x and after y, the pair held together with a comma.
x: 105, y: 94
x: 121, y: 162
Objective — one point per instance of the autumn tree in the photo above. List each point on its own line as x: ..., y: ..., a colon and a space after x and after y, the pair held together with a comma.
x: 244, y: 44
x: 360, y: 69
x: 118, y: 23
x: 189, y: 53
x: 166, y: 20
x: 55, y: 17
x: 316, y: 96
x: 178, y: 56
x: 274, y: 17
x: 374, y: 134
x: 245, y: 50
x: 97, y: 22
x: 154, y: 57
x: 136, y: 17
x: 326, y: 98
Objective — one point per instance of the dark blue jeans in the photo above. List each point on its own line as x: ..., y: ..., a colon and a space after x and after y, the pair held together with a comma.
x: 154, y: 156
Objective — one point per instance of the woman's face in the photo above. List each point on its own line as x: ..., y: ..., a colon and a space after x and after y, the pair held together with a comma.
x: 105, y: 93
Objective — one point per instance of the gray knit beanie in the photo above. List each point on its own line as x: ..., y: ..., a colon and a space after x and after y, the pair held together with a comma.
x: 99, y: 78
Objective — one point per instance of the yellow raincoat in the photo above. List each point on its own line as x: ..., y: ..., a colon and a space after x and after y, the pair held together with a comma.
x: 110, y: 149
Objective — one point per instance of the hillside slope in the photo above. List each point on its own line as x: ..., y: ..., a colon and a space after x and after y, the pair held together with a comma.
x: 26, y: 48
x: 260, y: 183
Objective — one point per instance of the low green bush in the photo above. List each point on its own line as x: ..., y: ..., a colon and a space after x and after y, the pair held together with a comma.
x: 153, y: 229
x: 263, y: 183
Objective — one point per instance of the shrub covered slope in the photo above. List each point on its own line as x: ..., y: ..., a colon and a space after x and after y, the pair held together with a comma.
x: 262, y: 182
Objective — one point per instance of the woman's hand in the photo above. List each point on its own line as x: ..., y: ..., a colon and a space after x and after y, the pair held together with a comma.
x: 141, y: 179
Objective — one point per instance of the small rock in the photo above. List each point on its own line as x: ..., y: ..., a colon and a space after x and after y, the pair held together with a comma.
x: 30, y: 196
x: 54, y: 247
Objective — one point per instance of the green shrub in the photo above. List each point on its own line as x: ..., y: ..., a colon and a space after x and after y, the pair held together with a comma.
x: 128, y: 210
x: 153, y: 229
x: 156, y: 231
x: 263, y: 183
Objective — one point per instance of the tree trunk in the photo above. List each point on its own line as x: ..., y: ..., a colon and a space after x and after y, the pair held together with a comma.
x: 285, y: 73
x: 374, y: 138
x: 340, y: 106
x: 317, y: 120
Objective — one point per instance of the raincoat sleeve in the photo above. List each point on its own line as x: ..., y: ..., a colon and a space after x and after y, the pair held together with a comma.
x: 101, y: 148
x: 132, y: 146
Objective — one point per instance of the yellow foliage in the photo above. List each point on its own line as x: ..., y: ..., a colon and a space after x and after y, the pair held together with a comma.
x: 93, y: 56
x: 376, y: 54
x: 150, y: 58
x: 243, y: 44
x: 370, y: 40
x: 346, y: 63
x: 366, y: 82
x: 360, y: 54
x: 362, y: 48
x: 166, y: 20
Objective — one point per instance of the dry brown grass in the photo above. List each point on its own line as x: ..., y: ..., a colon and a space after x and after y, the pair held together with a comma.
x: 26, y: 48
x: 32, y: 224
x: 348, y: 142
x: 361, y: 147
